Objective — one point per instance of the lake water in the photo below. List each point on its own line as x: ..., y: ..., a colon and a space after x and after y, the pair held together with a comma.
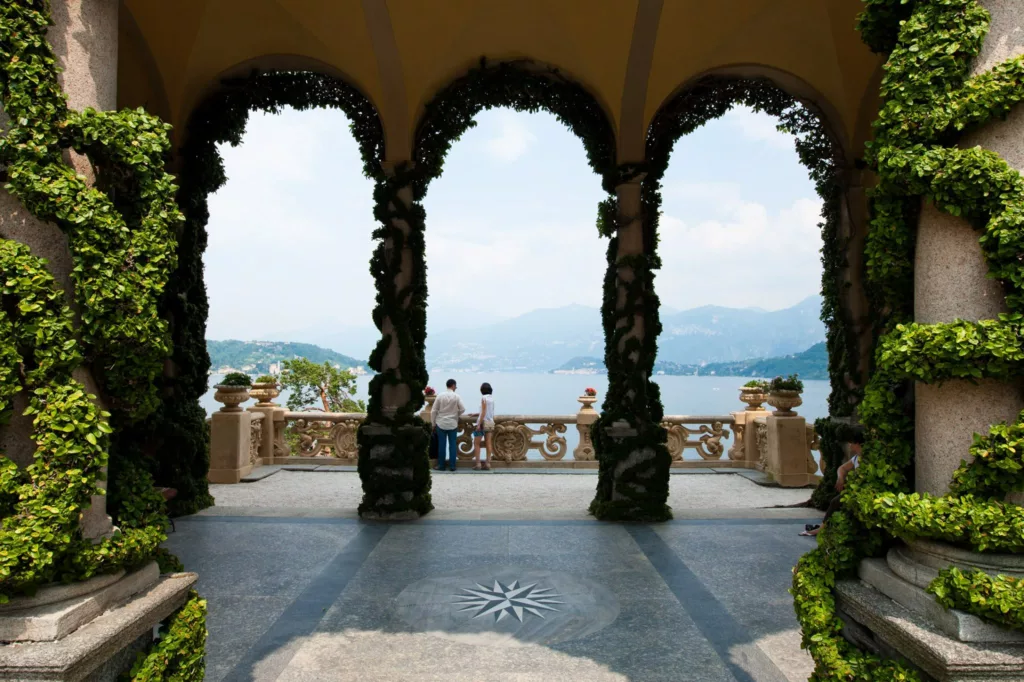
x: 539, y: 394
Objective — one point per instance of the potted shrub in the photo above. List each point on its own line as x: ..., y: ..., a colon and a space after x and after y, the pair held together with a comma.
x: 784, y: 395
x: 233, y: 390
x: 265, y: 389
x: 754, y: 393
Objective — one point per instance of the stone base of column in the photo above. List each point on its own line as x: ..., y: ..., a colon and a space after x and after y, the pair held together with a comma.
x: 94, y: 636
x: 394, y: 468
x: 890, y: 612
x: 874, y: 622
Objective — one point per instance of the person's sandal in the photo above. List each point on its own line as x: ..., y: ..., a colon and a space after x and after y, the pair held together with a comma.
x: 487, y: 466
x: 477, y: 467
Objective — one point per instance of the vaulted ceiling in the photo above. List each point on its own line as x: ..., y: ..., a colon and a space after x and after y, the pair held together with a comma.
x: 631, y: 54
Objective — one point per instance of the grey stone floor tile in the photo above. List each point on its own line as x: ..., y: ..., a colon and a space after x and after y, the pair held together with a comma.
x: 234, y: 622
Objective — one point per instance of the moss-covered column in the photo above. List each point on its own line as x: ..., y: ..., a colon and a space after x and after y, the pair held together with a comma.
x: 393, y: 441
x: 630, y: 442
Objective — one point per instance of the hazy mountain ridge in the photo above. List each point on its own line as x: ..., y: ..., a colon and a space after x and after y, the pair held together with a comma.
x: 542, y: 339
x: 810, y: 364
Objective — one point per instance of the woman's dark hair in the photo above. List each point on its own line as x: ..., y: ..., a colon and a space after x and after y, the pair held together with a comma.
x: 485, y: 389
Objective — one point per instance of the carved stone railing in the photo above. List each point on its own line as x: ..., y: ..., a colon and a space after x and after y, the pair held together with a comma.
x: 710, y: 431
x: 255, y: 436
x: 513, y: 437
x: 782, y: 447
x: 322, y: 434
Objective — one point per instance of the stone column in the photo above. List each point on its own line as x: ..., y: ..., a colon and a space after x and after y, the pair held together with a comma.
x: 633, y: 481
x: 787, y: 451
x: 950, y: 282
x: 229, y: 445
x: 393, y: 463
x: 84, y: 40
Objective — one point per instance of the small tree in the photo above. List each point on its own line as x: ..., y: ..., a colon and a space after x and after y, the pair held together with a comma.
x: 310, y: 382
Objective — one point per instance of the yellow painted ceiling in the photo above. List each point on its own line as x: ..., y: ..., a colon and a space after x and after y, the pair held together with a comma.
x: 401, y: 52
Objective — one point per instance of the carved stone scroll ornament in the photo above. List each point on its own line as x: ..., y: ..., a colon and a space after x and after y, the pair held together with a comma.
x: 736, y: 451
x: 511, y: 441
x: 813, y: 443
x: 708, y: 446
x: 343, y: 439
x: 762, y: 446
x: 255, y: 436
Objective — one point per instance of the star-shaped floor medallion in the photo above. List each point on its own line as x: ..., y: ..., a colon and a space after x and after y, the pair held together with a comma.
x: 507, y: 600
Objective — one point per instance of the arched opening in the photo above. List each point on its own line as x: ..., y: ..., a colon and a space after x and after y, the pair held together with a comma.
x: 834, y: 233
x: 393, y: 437
x: 178, y: 426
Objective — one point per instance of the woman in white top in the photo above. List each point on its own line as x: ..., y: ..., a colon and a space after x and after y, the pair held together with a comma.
x: 484, y: 430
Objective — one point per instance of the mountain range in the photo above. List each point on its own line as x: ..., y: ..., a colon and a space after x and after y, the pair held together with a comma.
x: 547, y: 338
x: 264, y: 357
x: 544, y: 339
x: 810, y: 364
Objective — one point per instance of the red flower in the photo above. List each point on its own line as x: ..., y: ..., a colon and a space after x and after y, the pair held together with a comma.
x: 428, y: 391
x: 589, y: 391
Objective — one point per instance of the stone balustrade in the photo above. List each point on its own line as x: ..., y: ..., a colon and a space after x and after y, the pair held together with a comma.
x: 780, y: 446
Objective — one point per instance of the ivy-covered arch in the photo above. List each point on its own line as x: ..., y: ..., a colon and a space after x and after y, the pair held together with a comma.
x: 176, y: 435
x: 820, y: 149
x: 396, y: 392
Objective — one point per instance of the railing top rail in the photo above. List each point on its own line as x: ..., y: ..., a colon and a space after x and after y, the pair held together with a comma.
x: 562, y: 418
x: 325, y: 416
x: 698, y: 418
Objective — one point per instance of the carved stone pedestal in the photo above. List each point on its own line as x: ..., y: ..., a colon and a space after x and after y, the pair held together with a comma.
x: 889, y: 611
x: 87, y: 631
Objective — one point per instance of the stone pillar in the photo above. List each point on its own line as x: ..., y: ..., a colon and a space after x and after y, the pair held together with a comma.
x: 787, y: 451
x: 84, y: 40
x: 890, y: 610
x: 229, y: 446
x: 269, y: 426
x: 393, y: 463
x: 950, y: 282
x: 633, y: 475
x: 585, y: 419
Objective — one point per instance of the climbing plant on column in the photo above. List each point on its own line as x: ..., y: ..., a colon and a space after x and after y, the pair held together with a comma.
x: 928, y: 100
x: 120, y: 237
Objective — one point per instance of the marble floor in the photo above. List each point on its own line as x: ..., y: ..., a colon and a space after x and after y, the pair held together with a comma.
x: 299, y: 597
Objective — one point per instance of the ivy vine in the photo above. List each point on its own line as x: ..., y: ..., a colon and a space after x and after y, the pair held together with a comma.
x: 120, y: 235
x: 928, y: 99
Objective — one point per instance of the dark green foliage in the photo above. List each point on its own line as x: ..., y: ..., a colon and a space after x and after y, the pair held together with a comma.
x: 790, y: 383
x: 236, y: 379
x: 120, y: 235
x: 179, y: 653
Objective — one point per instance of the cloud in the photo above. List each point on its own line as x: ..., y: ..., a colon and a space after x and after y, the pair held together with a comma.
x: 512, y: 139
x: 759, y: 127
x: 743, y: 255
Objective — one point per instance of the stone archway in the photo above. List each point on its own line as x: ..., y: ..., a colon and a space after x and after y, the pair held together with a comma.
x: 824, y: 150
x: 177, y: 434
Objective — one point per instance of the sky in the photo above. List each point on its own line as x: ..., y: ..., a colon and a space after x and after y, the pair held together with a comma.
x: 510, y: 226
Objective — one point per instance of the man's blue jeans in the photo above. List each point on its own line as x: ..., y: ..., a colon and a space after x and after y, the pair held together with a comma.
x: 446, y: 442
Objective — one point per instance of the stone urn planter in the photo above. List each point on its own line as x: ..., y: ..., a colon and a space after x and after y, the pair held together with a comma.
x: 587, y: 402
x: 784, y: 401
x: 231, y: 396
x: 428, y: 404
x: 265, y: 393
x: 754, y: 397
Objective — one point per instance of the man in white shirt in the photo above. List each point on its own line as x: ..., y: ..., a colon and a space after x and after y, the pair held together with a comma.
x: 444, y: 416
